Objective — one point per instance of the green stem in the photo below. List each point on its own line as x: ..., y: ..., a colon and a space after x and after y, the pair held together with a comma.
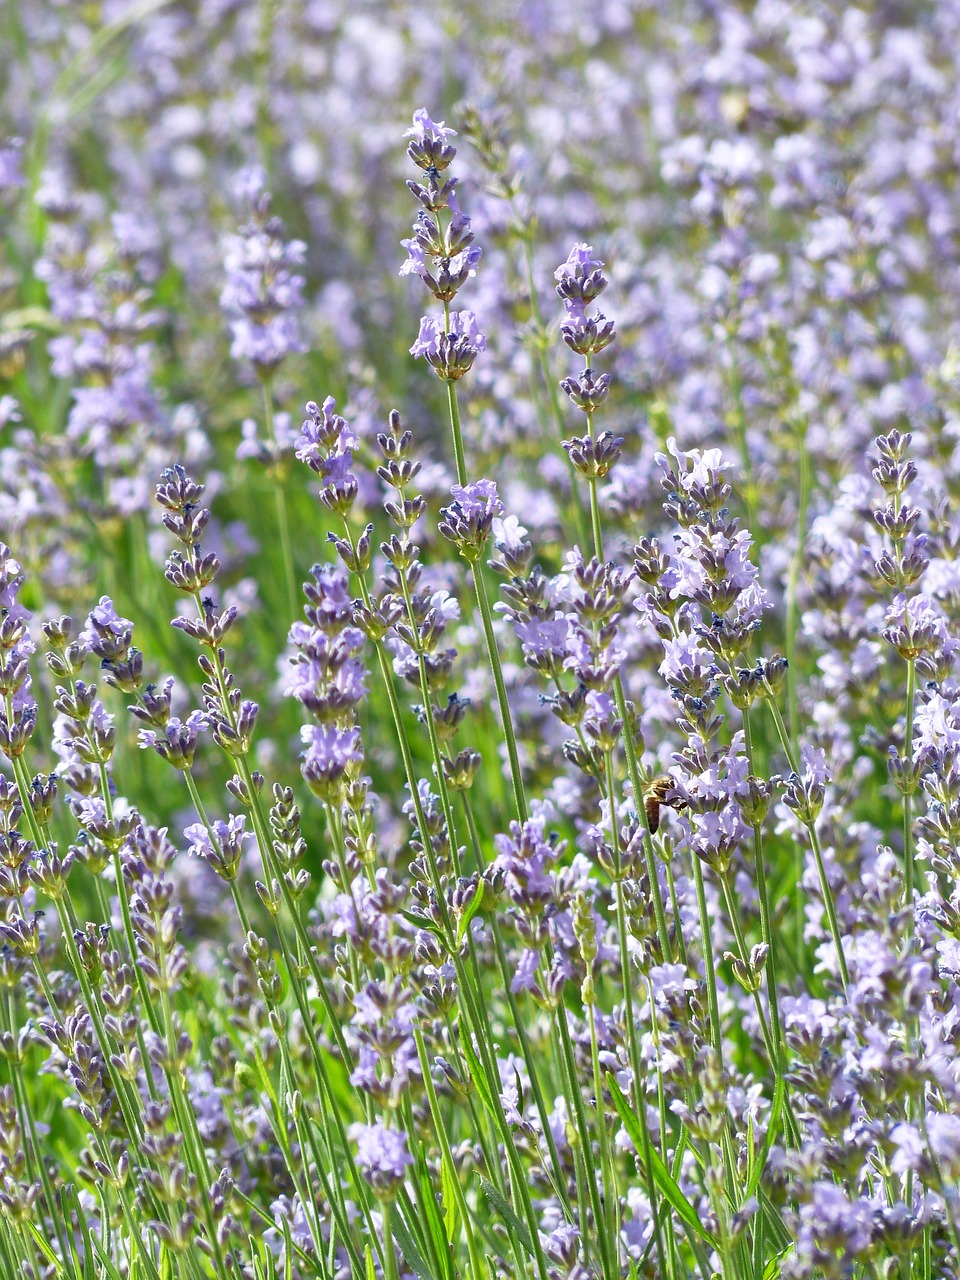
x: 829, y: 904
x: 825, y: 889
x: 766, y: 931
x: 636, y: 784
x: 455, y: 430
x: 586, y: 1142
x: 550, y: 382
x: 708, y: 962
x: 447, y: 1154
x: 283, y: 520
x: 737, y: 420
x: 389, y: 1249
x: 908, y: 858
x: 793, y: 583
x: 609, y: 1189
x: 633, y: 1047
x: 502, y: 700
x: 595, y: 505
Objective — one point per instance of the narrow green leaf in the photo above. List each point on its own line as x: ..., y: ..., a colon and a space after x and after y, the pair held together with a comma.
x: 287, y: 1249
x: 506, y: 1212
x: 667, y: 1184
x: 371, y: 1269
x: 410, y: 1249
x: 422, y: 922
x: 773, y: 1267
x: 450, y: 1215
x: 773, y: 1129
x: 470, y: 912
x: 44, y: 1248
x: 30, y: 318
x: 434, y: 1222
x: 108, y: 1268
x: 478, y: 1075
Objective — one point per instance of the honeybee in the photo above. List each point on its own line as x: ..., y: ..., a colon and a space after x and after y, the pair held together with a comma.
x: 654, y: 795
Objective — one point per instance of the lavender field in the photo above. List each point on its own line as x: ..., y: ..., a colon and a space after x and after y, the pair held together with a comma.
x: 479, y: 640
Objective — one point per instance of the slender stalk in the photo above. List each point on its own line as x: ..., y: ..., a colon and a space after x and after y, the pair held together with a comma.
x: 826, y: 891
x: 529, y: 1059
x: 829, y: 904
x: 389, y: 1249
x: 793, y: 583
x: 766, y: 931
x: 908, y: 848
x: 453, y: 408
x: 609, y: 1189
x: 595, y: 524
x: 626, y: 981
x: 447, y: 1155
x: 710, y: 972
x: 737, y: 421
x: 586, y: 1143
x: 280, y: 497
x: 503, y: 701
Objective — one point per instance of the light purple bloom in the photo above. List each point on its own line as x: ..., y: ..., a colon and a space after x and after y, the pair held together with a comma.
x: 426, y: 130
x: 382, y: 1154
x: 580, y: 263
x: 463, y: 327
x: 11, y: 174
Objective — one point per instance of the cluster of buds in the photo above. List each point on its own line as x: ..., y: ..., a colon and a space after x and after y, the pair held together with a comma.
x: 18, y: 710
x: 85, y: 733
x: 420, y: 615
x: 469, y: 518
x: 326, y: 445
x: 441, y: 253
x: 263, y: 294
x: 327, y: 677
x: 19, y: 1195
x: 580, y: 281
x: 230, y: 717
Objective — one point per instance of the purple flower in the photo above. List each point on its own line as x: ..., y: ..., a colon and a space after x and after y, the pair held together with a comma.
x: 526, y: 858
x: 11, y: 175
x: 696, y: 468
x: 328, y: 752
x: 323, y: 431
x: 832, y: 1223
x: 220, y: 845
x: 469, y: 518
x: 107, y: 634
x: 450, y: 352
x: 580, y: 281
x: 687, y: 664
x: 263, y: 293
x: 544, y: 642
x: 176, y: 742
x: 382, y: 1155
x: 716, y: 834
x: 478, y: 500
x: 424, y: 130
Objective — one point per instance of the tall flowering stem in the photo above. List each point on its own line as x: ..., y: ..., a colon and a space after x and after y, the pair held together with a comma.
x: 580, y: 281
x: 262, y: 299
x: 467, y: 523
x: 911, y: 632
x: 506, y: 182
x: 443, y: 255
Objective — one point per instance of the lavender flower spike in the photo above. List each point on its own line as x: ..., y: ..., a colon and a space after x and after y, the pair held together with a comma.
x: 382, y: 1156
x: 450, y: 354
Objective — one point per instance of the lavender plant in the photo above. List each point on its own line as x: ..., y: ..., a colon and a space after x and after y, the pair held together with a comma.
x: 559, y: 880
